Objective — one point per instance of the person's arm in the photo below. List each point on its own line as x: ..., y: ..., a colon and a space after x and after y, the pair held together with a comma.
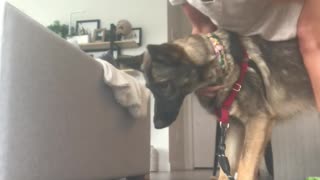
x: 309, y: 41
x: 200, y: 23
x: 308, y: 32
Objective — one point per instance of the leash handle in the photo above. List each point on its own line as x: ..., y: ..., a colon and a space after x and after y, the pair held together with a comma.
x: 222, y: 159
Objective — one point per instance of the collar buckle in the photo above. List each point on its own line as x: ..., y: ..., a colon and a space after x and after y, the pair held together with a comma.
x: 237, y: 87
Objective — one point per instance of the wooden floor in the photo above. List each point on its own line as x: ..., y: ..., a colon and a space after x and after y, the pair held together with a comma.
x: 182, y: 175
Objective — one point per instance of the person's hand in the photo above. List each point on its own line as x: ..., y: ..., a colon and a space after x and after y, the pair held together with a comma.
x: 201, y: 24
x: 203, y: 28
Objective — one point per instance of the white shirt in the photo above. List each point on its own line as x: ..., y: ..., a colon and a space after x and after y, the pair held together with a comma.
x: 251, y: 17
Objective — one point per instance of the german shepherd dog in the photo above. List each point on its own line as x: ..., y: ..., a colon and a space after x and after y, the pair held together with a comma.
x: 275, y: 88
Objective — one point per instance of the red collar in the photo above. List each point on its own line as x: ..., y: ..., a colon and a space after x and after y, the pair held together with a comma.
x: 223, y: 112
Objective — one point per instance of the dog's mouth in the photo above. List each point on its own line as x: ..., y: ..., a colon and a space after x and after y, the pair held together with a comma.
x: 160, y: 123
x: 166, y: 112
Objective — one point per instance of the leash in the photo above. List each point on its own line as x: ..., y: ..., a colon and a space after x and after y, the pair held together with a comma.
x: 223, y: 112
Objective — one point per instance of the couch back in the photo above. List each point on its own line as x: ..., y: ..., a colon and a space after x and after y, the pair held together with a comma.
x: 58, y: 120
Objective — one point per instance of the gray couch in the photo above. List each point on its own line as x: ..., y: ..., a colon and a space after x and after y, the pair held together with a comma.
x: 58, y: 120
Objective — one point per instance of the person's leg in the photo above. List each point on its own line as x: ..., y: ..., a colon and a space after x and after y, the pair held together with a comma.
x: 309, y: 41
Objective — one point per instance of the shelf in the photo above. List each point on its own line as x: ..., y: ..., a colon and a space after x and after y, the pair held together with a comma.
x: 102, y: 46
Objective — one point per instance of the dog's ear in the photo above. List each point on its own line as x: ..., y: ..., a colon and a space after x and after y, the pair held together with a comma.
x: 197, y: 49
x: 166, y: 53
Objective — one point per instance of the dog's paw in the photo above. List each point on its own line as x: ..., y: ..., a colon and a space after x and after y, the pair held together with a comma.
x: 223, y: 177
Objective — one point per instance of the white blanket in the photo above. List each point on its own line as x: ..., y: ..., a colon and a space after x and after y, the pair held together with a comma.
x: 127, y: 90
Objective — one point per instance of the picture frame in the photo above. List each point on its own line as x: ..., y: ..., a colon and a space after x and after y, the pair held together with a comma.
x: 99, y: 35
x: 84, y: 27
x: 136, y: 35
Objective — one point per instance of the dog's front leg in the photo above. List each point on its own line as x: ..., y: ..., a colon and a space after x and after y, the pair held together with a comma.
x: 234, y: 142
x: 257, y: 134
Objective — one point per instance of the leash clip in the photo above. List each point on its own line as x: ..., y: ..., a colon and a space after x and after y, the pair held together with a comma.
x: 222, y: 159
x: 224, y: 125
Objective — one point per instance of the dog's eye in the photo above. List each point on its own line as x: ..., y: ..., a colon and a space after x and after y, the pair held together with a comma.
x: 164, y: 85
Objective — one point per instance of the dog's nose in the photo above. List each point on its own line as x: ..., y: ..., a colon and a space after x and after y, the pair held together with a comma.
x: 165, y: 121
x: 159, y: 124
x: 166, y: 112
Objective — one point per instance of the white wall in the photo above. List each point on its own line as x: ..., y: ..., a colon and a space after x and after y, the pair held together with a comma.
x: 160, y: 140
x: 3, y: 123
x: 150, y: 15
x: 1, y: 29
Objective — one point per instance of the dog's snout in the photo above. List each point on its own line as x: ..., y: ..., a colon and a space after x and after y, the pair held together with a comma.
x: 160, y: 124
x: 166, y: 112
x: 164, y: 120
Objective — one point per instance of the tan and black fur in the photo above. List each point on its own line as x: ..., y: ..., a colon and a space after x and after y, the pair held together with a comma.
x: 275, y: 88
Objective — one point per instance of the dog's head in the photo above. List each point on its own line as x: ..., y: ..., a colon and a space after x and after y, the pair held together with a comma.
x: 174, y: 70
